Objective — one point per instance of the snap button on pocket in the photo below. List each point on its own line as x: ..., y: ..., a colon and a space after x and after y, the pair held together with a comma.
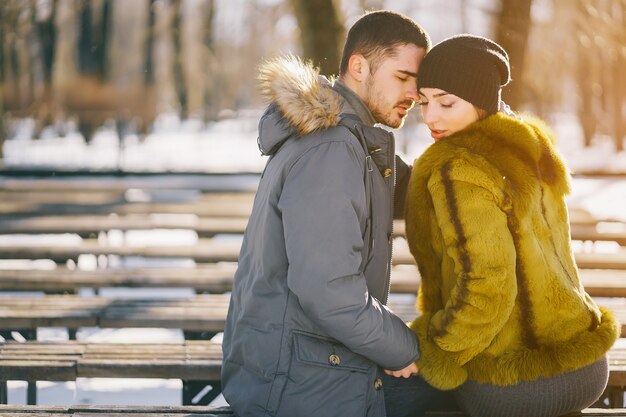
x: 378, y: 384
x: 334, y: 360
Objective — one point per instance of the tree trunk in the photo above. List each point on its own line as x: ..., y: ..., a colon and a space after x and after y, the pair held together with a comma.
x: 367, y: 5
x: 512, y: 29
x: 321, y: 33
x: 619, y: 87
x: 179, y: 73
x: 3, y: 26
x: 584, y: 76
x: 92, y: 38
x: 164, y: 56
x: 196, y: 15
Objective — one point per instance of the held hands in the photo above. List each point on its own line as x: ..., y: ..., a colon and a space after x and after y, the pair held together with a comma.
x: 404, y: 373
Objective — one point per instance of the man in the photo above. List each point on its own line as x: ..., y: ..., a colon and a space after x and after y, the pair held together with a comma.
x: 307, y: 332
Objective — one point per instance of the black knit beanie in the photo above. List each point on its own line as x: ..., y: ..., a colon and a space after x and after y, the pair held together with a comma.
x: 468, y: 66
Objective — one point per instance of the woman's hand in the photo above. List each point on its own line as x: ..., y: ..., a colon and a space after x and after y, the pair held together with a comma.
x: 404, y: 373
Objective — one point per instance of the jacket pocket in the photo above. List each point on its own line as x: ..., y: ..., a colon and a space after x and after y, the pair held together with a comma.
x: 325, y: 378
x: 319, y: 351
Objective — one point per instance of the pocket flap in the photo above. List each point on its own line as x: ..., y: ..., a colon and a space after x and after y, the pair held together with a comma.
x: 317, y: 350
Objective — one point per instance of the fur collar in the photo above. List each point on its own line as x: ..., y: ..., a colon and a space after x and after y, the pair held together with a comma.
x: 303, y: 96
x: 521, y: 151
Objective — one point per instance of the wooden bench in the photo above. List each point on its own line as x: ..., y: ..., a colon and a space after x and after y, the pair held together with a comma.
x: 207, y: 250
x: 210, y: 226
x: 215, y: 278
x: 195, y: 411
x: 224, y: 204
x: 190, y: 361
x: 187, y: 411
x: 167, y: 181
x: 85, y: 225
x: 204, y: 313
x: 200, y: 313
x: 218, y: 278
x: 203, y: 251
x: 65, y: 361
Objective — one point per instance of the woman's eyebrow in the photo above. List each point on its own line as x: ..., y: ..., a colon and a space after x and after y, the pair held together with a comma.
x: 409, y: 73
x: 434, y: 95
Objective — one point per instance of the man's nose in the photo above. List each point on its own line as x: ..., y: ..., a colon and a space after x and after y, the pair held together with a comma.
x: 411, y: 92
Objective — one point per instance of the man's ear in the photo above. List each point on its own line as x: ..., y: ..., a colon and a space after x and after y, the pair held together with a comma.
x: 358, y: 67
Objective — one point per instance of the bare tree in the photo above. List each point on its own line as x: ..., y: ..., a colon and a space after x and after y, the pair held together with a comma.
x: 195, y: 53
x: 600, y: 79
x: 618, y: 51
x: 512, y: 29
x: 321, y: 32
x: 371, y: 4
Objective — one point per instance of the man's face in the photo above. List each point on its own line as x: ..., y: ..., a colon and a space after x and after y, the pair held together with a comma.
x: 391, y: 90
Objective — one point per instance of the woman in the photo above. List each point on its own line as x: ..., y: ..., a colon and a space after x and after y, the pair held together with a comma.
x: 505, y: 321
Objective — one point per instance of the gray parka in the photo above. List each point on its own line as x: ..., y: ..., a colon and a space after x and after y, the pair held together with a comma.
x: 307, y: 329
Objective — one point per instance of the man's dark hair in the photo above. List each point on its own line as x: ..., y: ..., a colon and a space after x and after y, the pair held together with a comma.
x: 376, y: 34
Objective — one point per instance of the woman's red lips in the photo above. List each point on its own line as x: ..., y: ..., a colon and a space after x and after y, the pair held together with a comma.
x: 437, y: 134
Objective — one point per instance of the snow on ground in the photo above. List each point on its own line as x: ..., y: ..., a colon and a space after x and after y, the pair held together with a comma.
x: 230, y: 146
x: 225, y: 146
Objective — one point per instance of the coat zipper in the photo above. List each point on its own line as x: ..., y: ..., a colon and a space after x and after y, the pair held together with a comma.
x: 391, y: 159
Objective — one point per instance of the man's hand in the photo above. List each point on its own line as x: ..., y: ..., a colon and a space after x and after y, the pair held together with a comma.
x: 404, y: 373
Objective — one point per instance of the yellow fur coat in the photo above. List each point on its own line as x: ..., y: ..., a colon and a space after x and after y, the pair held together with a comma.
x: 500, y: 298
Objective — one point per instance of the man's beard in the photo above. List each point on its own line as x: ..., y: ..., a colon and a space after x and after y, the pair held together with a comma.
x: 375, y: 102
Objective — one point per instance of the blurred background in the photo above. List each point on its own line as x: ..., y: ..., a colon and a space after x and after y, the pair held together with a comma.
x: 169, y: 85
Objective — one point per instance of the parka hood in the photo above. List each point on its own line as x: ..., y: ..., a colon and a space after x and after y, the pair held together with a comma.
x: 303, y: 101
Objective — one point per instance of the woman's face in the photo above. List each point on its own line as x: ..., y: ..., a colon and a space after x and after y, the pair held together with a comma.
x: 445, y: 113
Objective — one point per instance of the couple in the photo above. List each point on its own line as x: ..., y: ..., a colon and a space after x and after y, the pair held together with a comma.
x: 505, y: 327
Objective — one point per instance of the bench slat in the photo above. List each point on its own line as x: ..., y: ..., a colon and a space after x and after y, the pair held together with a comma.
x: 200, y: 360
x: 202, y: 252
x: 205, y: 312
x: 94, y: 224
x: 218, y: 278
x: 229, y: 252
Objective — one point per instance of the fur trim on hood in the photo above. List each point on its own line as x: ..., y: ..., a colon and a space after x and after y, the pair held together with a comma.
x: 304, y: 97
